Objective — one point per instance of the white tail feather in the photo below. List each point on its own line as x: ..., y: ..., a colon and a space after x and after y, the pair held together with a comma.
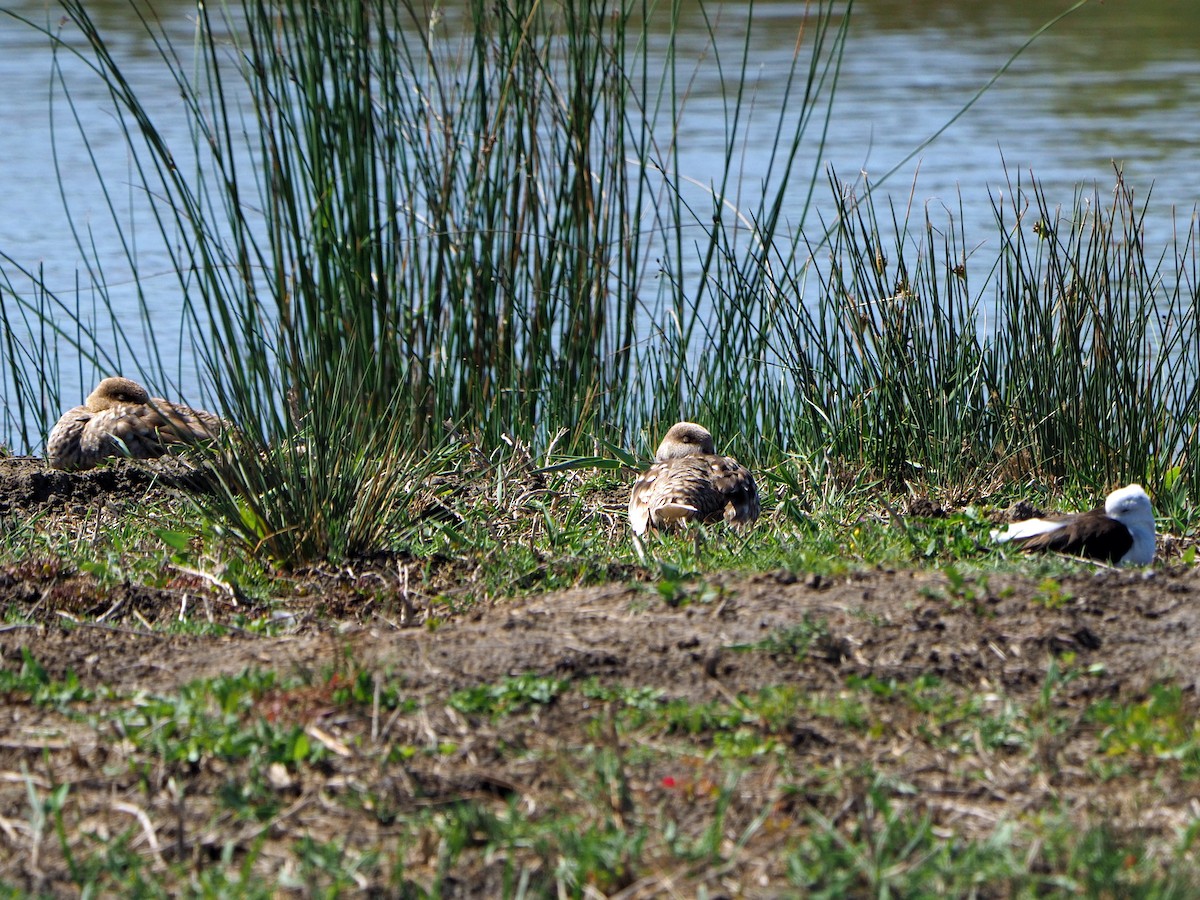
x: 669, y: 512
x: 1027, y: 529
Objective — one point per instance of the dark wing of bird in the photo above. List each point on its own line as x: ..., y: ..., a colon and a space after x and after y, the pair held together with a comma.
x: 1093, y: 535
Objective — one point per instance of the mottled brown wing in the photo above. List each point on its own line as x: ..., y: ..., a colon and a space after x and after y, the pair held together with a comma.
x: 62, y: 444
x: 82, y: 439
x: 705, y: 488
x: 143, y: 432
x: 122, y: 430
x: 735, y: 484
x: 1093, y: 535
x: 639, y: 502
x: 177, y: 423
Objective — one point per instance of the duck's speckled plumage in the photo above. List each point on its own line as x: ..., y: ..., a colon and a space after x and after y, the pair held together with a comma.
x: 120, y: 418
x: 690, y: 481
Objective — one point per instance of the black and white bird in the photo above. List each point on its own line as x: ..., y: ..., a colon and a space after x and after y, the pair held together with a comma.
x: 120, y: 418
x: 690, y: 481
x: 1120, y: 532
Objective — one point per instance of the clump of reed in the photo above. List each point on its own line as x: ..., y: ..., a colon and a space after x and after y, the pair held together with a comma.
x: 379, y: 229
x: 1072, y: 358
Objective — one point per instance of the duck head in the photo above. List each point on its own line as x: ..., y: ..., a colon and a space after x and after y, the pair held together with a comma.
x: 685, y: 439
x: 112, y: 391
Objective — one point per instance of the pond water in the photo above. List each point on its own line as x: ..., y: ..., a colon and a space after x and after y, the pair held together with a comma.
x: 1113, y: 85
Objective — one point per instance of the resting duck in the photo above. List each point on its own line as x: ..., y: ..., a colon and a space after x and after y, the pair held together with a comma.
x: 689, y: 481
x: 119, y: 418
x: 1121, y: 531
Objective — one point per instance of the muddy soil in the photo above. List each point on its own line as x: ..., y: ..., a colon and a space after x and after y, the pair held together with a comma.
x: 998, y: 641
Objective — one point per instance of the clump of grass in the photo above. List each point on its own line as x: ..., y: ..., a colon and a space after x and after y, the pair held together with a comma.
x: 33, y: 684
x: 338, y: 488
x: 793, y: 641
x: 1158, y: 726
x: 510, y: 696
x: 1062, y: 360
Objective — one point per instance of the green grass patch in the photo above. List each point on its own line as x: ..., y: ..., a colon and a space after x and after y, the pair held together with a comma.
x: 649, y: 784
x: 792, y: 642
x: 216, y: 718
x: 513, y: 695
x: 31, y: 683
x: 1161, y: 726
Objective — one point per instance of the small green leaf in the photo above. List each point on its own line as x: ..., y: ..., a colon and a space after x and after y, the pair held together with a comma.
x: 300, y: 748
x: 176, y: 540
x: 623, y: 456
x: 31, y: 668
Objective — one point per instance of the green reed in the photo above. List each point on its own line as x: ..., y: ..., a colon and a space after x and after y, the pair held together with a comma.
x: 456, y: 206
x: 1072, y: 356
x: 378, y: 230
x: 395, y: 222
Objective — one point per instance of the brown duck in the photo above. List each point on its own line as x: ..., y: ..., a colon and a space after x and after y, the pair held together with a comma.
x: 120, y: 418
x: 689, y: 481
